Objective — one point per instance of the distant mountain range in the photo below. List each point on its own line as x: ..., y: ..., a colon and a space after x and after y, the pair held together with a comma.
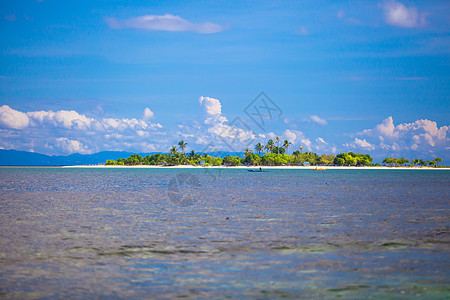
x: 23, y: 158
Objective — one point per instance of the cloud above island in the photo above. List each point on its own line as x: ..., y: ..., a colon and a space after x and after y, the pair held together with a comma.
x: 68, y: 131
x: 231, y: 135
x: 165, y: 22
x: 14, y: 119
x: 360, y: 144
x: 148, y: 114
x: 421, y: 137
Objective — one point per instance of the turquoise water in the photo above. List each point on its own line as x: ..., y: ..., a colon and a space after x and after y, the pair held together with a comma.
x: 195, y: 233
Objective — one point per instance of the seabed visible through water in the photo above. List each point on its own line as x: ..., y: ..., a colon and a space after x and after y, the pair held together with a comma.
x: 166, y: 233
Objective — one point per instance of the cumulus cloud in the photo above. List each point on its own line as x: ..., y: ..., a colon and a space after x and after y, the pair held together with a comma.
x: 424, y: 131
x: 211, y: 106
x: 235, y: 134
x: 397, y: 14
x: 385, y: 129
x: 360, y: 144
x: 333, y: 149
x: 294, y: 136
x: 148, y: 114
x: 68, y: 146
x: 165, y: 22
x: 216, y: 131
x: 62, y: 118
x: 306, y: 143
x: 318, y: 120
x: 422, y: 136
x: 14, y: 119
x: 321, y: 140
x: 298, y: 139
x: 67, y: 131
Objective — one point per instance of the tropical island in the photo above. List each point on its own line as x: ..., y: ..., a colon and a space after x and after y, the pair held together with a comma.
x: 267, y: 155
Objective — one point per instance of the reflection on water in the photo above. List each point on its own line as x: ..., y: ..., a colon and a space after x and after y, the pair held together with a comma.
x: 282, y: 233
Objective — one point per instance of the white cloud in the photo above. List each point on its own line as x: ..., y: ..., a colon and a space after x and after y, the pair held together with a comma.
x: 421, y: 131
x: 421, y: 136
x: 62, y: 118
x: 306, y: 143
x: 318, y: 120
x: 14, y: 119
x: 293, y: 136
x: 235, y: 135
x: 148, y: 114
x: 298, y: 138
x: 333, y: 149
x: 212, y: 106
x: 113, y: 123
x: 165, y: 22
x: 217, y: 131
x: 385, y: 129
x: 360, y: 144
x: 146, y: 147
x: 68, y: 146
x: 271, y: 135
x: 142, y: 133
x: 65, y: 132
x: 397, y: 14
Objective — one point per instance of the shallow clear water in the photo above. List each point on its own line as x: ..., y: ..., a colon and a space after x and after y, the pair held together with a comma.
x: 166, y: 233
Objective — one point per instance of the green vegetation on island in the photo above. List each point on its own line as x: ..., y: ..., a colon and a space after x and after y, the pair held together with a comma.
x: 265, y: 155
x: 391, y: 161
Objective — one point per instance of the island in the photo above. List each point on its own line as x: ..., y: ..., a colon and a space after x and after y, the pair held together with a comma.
x: 267, y: 155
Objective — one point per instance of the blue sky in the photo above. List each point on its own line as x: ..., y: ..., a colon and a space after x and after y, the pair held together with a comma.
x: 89, y: 76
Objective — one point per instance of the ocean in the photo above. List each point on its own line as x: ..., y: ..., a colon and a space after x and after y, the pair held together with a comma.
x: 223, y: 233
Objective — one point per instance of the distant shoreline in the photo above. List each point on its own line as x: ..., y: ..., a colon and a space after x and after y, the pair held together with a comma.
x: 234, y: 167
x: 257, y: 167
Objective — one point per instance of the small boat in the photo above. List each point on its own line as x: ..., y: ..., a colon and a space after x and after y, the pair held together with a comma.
x: 255, y: 170
x: 318, y: 169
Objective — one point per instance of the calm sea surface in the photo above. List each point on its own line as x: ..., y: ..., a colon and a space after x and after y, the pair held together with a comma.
x: 167, y: 233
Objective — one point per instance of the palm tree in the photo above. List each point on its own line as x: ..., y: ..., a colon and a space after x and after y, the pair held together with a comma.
x: 301, y: 149
x: 246, y: 151
x: 287, y: 145
x: 192, y: 154
x: 173, y: 150
x: 182, y: 145
x: 277, y: 138
x: 270, y: 145
x: 259, y: 148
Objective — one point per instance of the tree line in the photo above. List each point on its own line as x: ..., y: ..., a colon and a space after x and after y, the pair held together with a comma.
x: 392, y: 161
x: 270, y: 154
